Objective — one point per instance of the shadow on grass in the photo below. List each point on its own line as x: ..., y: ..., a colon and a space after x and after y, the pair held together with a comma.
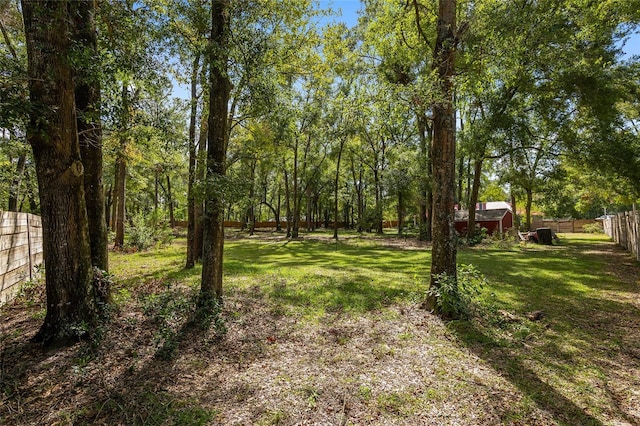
x: 527, y: 381
x: 352, y: 293
x: 589, y: 335
x: 313, y: 253
x: 145, y: 393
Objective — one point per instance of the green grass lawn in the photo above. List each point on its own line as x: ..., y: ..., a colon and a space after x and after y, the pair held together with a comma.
x: 319, y: 331
x: 313, y: 276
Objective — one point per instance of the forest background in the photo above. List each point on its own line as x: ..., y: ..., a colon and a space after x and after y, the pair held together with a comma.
x: 561, y: 172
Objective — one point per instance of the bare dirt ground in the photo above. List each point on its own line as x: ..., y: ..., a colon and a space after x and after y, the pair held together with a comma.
x: 396, y: 366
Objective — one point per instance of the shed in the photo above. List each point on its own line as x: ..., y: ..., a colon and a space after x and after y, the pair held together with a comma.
x: 495, y: 220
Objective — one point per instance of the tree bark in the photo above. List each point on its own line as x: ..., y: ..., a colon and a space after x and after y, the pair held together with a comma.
x: 276, y: 212
x: 516, y: 218
x: 309, y: 211
x: 444, y: 251
x: 107, y: 206
x: 357, y: 179
x: 52, y: 134
x: 287, y: 202
x: 172, y: 218
x: 220, y: 89
x: 400, y: 212
x: 335, y: 190
x: 201, y: 171
x: 529, y: 202
x: 296, y: 198
x: 459, y: 196
x: 378, y: 194
x: 88, y: 98
x: 114, y: 198
x: 252, y: 195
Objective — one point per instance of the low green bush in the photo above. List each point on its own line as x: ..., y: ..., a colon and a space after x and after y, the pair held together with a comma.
x: 593, y: 228
x: 453, y: 296
x: 148, y: 231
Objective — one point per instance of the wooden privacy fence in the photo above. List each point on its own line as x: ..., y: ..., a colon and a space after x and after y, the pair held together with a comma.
x: 623, y: 229
x: 20, y: 251
x: 562, y: 226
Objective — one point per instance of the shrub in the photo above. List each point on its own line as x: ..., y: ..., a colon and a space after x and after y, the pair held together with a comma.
x: 453, y: 296
x: 504, y: 241
x: 479, y: 235
x: 146, y: 232
x: 593, y: 228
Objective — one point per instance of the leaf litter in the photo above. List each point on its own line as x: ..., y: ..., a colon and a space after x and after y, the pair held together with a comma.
x: 396, y: 365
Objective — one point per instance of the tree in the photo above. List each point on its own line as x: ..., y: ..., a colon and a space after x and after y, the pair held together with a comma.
x: 184, y: 26
x: 52, y: 134
x: 219, y: 92
x: 403, y: 58
x: 191, y: 198
x: 88, y: 100
x: 133, y: 72
x: 443, y: 255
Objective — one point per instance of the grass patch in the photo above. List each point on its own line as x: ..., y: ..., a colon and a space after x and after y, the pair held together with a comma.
x: 149, y: 408
x: 553, y: 338
x: 309, y: 277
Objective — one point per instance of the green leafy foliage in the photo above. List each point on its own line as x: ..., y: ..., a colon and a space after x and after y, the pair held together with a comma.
x: 148, y: 231
x: 479, y: 235
x: 593, y: 228
x: 174, y: 310
x: 454, y: 296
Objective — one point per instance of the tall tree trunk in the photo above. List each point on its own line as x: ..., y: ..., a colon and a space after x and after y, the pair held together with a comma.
x: 335, y: 190
x: 287, y: 202
x: 201, y: 170
x: 444, y: 251
x: 252, y: 196
x: 400, y: 212
x: 460, y: 195
x: 114, y: 201
x: 52, y: 134
x: 296, y: 198
x: 220, y: 89
x: 156, y: 189
x: 191, y: 199
x: 88, y: 99
x: 529, y: 201
x: 477, y: 172
x: 516, y: 218
x: 107, y: 207
x: 309, y: 214
x: 378, y: 207
x: 172, y: 218
x: 357, y: 179
x: 460, y: 173
x: 276, y: 212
